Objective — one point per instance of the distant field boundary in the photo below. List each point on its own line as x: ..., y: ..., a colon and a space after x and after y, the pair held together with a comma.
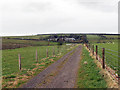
x: 112, y: 72
x: 23, y: 43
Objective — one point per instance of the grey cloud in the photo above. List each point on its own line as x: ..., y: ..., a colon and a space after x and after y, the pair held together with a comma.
x: 58, y: 16
x: 98, y: 5
x: 104, y: 6
x: 38, y: 6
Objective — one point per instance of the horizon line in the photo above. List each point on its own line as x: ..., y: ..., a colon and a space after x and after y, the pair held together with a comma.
x: 61, y: 33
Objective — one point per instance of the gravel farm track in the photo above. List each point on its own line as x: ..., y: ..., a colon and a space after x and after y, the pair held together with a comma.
x: 61, y: 74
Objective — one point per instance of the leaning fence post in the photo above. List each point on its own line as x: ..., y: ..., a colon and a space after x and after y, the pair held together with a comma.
x: 89, y: 46
x: 103, y: 58
x: 47, y: 52
x: 96, y: 52
x: 86, y: 44
x: 19, y: 56
x: 36, y: 56
x: 93, y: 49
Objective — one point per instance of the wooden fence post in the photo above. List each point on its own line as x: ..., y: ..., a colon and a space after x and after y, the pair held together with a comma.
x: 103, y: 58
x: 47, y: 52
x: 89, y: 46
x: 36, y: 56
x: 19, y: 56
x: 93, y: 49
x: 96, y: 52
x: 86, y: 44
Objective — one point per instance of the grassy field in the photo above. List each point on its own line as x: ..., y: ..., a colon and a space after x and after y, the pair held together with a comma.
x: 93, y: 38
x: 12, y: 43
x: 28, y: 42
x: 89, y: 75
x: 29, y: 37
x: 111, y: 53
x: 112, y: 36
x: 100, y: 39
x: 110, y: 43
x: 10, y: 68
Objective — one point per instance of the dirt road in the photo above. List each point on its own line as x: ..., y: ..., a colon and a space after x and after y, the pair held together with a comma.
x: 61, y: 74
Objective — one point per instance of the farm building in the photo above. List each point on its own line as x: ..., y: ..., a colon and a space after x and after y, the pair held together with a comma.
x: 63, y: 39
x: 69, y: 39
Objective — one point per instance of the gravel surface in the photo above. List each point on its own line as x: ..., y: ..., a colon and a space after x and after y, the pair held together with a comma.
x: 61, y: 74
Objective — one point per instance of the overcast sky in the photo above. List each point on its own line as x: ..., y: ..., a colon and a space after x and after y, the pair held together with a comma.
x: 27, y: 17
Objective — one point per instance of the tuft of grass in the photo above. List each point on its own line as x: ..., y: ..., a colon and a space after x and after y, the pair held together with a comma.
x: 10, y: 76
x: 89, y: 75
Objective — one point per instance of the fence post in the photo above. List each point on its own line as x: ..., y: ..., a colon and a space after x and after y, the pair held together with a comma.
x: 19, y: 56
x: 36, y: 56
x: 103, y: 58
x: 86, y: 46
x: 93, y: 49
x: 89, y: 46
x: 47, y: 52
x: 96, y: 52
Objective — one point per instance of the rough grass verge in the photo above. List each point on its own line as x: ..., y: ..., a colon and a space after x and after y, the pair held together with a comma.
x: 89, y: 74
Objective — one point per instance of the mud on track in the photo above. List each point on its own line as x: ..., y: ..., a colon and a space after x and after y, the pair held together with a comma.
x: 61, y: 74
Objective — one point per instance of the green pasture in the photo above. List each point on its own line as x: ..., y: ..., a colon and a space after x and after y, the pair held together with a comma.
x: 97, y: 38
x: 26, y: 42
x: 111, y: 53
x: 112, y: 36
x: 29, y: 37
x: 10, y: 57
x: 10, y: 63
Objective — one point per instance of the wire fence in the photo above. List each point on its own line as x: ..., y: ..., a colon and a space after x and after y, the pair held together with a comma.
x: 24, y: 59
x: 108, y: 58
x: 50, y: 52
